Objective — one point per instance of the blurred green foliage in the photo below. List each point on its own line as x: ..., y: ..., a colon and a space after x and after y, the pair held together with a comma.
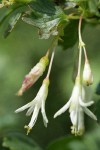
x: 18, y: 141
x: 18, y: 54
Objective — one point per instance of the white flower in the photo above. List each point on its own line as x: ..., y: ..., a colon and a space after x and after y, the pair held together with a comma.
x: 87, y: 74
x: 35, y: 105
x: 77, y: 107
x: 34, y: 75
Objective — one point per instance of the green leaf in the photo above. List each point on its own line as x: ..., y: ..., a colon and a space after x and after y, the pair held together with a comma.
x: 12, y: 22
x: 10, y: 17
x: 93, y: 7
x: 70, y: 35
x: 46, y: 17
x: 90, y: 141
x: 88, y: 7
x: 8, y: 11
x: 18, y: 141
x: 97, y: 110
x: 43, y: 6
x: 66, y: 143
x: 98, y: 89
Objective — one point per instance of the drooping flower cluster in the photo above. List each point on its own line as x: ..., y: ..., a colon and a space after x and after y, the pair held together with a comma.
x: 77, y: 107
x: 39, y: 101
x: 78, y: 103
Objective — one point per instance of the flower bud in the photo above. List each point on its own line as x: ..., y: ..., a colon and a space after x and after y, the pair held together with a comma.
x: 34, y: 75
x: 87, y: 74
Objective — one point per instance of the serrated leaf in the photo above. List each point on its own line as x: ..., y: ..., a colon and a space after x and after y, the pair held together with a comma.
x: 43, y: 6
x: 12, y: 22
x: 18, y: 141
x: 45, y: 28
x: 46, y: 17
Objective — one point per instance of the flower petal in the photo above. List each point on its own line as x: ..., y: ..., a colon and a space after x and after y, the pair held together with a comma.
x: 34, y: 117
x: 23, y: 108
x: 63, y: 109
x: 74, y: 117
x: 45, y: 119
x: 89, y: 113
x: 31, y: 109
x: 85, y: 104
x: 81, y: 122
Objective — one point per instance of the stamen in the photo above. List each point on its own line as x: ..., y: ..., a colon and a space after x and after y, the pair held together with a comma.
x: 28, y: 129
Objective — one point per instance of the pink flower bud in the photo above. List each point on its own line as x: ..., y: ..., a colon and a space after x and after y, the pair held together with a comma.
x: 34, y: 75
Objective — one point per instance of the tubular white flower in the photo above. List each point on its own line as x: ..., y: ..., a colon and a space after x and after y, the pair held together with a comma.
x: 35, y: 105
x: 34, y: 75
x: 87, y: 74
x: 77, y: 107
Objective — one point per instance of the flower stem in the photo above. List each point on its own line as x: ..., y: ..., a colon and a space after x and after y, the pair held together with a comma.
x: 79, y: 30
x: 51, y: 61
x: 54, y: 44
x: 85, y: 54
x: 79, y: 62
x: 80, y: 46
x: 81, y: 43
x: 72, y: 17
x: 47, y: 53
